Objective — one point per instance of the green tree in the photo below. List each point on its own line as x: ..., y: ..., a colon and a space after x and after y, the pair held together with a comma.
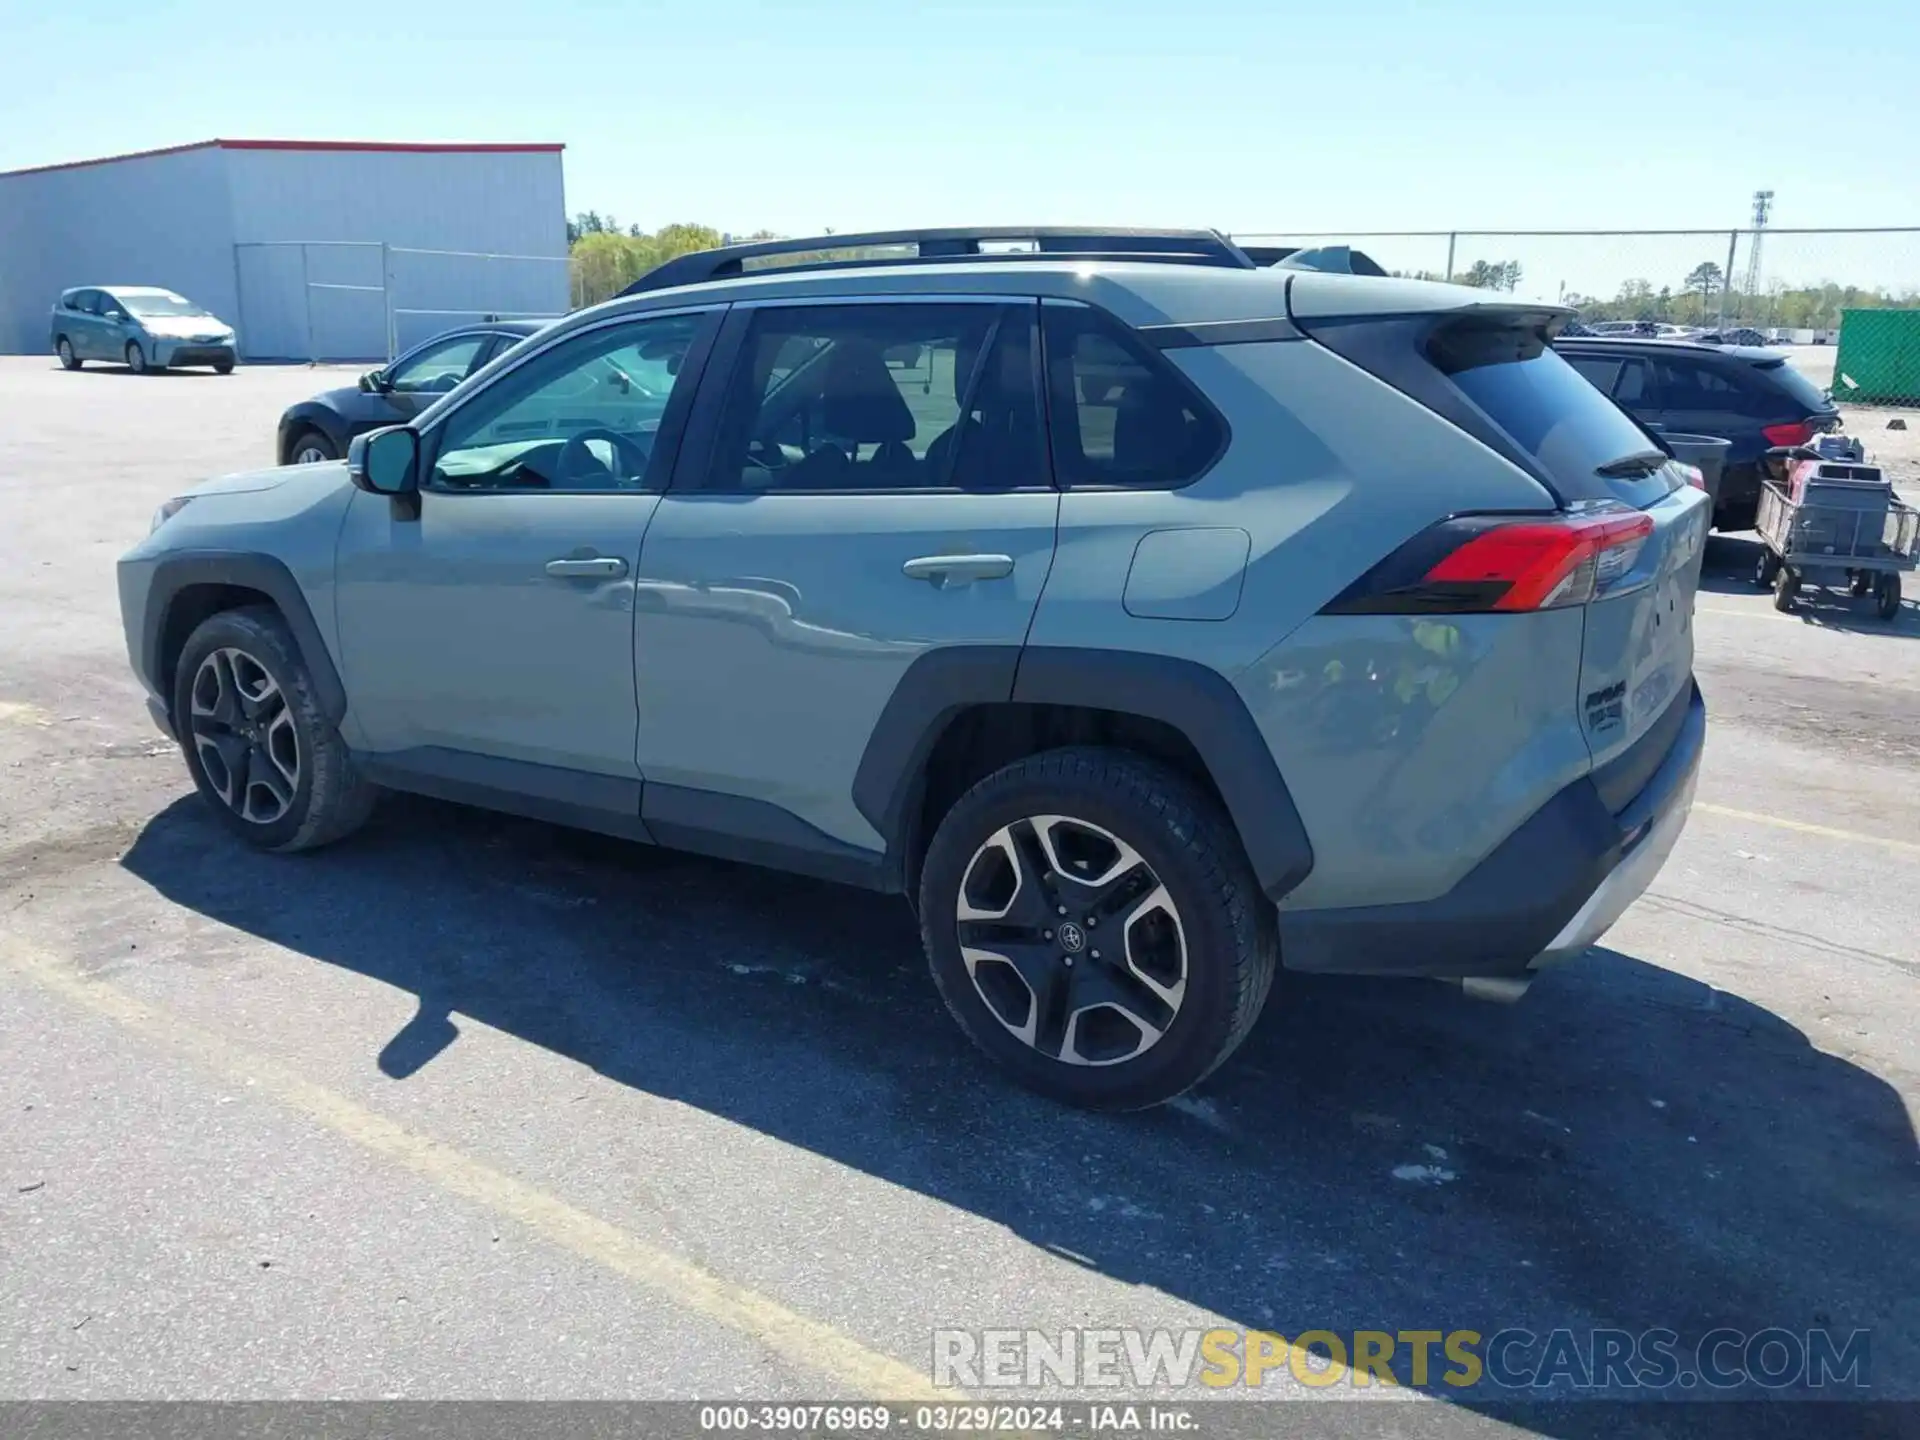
x: 1704, y: 279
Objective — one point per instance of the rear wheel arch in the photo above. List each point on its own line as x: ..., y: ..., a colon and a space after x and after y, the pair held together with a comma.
x: 962, y: 713
x: 187, y: 589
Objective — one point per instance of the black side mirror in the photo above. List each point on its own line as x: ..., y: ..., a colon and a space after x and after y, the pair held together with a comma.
x: 373, y: 382
x: 387, y: 462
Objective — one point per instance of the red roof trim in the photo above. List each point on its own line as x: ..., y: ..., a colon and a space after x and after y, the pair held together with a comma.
x: 423, y: 148
x: 426, y: 148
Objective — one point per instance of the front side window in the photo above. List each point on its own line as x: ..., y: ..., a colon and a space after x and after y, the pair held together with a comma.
x: 1122, y: 416
x: 436, y: 369
x: 882, y: 397
x: 582, y: 416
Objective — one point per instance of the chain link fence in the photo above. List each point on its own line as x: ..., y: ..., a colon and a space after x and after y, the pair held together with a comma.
x: 1855, y: 289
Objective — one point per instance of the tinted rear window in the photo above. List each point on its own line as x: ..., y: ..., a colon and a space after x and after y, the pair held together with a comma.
x: 1800, y: 390
x: 1122, y: 416
x: 1549, y: 409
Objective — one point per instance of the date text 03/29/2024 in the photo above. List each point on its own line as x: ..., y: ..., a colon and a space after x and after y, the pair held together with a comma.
x: 939, y: 1419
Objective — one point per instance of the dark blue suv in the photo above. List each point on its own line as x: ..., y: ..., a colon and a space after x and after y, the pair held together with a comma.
x: 1745, y: 394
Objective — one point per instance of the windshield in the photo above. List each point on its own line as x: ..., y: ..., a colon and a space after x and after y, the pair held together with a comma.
x: 157, y: 304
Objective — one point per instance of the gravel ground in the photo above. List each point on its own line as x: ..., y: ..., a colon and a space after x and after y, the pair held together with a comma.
x: 471, y: 1107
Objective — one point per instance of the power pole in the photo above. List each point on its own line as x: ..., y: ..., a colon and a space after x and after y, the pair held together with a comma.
x: 1762, y: 210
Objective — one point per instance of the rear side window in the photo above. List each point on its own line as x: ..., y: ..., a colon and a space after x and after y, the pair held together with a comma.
x: 1546, y: 407
x: 1599, y: 371
x: 1122, y: 417
x: 1799, y: 389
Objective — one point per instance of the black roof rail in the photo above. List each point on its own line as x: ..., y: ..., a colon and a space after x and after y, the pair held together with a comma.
x: 1185, y: 247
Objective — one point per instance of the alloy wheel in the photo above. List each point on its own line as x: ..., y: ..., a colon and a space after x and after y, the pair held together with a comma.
x: 310, y: 454
x: 244, y: 736
x: 1071, y: 940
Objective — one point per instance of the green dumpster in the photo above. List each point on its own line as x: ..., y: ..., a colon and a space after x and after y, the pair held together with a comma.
x: 1879, y: 358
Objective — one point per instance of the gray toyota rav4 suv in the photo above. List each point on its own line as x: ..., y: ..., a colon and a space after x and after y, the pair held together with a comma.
x: 1148, y: 618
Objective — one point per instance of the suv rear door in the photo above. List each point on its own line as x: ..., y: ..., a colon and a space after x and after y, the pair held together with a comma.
x: 862, y: 483
x: 1636, y: 660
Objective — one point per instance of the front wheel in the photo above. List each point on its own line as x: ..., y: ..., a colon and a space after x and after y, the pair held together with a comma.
x: 1888, y: 604
x: 136, y: 358
x: 1766, y: 568
x: 313, y: 448
x: 262, y: 752
x: 223, y: 367
x: 1093, y: 925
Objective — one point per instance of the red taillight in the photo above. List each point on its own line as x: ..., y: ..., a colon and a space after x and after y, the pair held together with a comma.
x: 1797, y: 432
x: 1695, y: 476
x: 1487, y: 562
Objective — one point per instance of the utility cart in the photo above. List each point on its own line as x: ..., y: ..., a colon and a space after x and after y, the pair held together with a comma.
x: 1834, y: 524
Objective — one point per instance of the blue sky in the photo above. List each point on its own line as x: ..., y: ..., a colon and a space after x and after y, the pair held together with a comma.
x: 1364, y: 114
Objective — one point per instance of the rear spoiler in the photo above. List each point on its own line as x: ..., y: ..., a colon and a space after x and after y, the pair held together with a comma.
x: 1333, y: 259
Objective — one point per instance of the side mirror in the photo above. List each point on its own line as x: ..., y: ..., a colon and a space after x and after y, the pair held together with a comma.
x: 386, y: 462
x: 373, y: 382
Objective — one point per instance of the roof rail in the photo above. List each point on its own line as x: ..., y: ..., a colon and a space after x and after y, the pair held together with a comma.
x: 1188, y: 247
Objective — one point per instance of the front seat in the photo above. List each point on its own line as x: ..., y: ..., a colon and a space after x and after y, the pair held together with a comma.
x: 860, y: 404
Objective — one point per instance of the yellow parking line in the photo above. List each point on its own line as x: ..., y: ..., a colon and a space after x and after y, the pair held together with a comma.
x: 804, y: 1342
x: 1905, y: 847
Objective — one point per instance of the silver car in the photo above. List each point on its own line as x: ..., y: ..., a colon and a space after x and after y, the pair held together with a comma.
x: 139, y: 326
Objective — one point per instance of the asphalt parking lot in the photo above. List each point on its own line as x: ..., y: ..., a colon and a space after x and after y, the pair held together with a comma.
x: 471, y: 1107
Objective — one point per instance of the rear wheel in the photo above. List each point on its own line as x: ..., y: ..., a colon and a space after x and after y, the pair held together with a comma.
x: 1094, y: 927
x: 68, y: 360
x: 1860, y: 583
x: 1889, y: 596
x: 1766, y: 568
x: 136, y: 358
x: 259, y: 747
x: 1786, y: 585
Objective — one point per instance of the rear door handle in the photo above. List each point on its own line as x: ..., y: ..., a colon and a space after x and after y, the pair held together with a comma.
x: 945, y: 570
x: 598, y: 567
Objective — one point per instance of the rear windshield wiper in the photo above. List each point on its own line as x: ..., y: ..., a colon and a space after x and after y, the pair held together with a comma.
x: 1629, y: 467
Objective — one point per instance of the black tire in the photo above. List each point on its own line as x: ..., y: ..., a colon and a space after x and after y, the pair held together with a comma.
x: 1888, y: 602
x: 1228, y: 946
x: 1860, y: 583
x: 1786, y: 585
x: 328, y: 798
x: 223, y: 367
x: 137, y: 359
x: 63, y: 347
x: 311, y: 440
x: 1766, y: 569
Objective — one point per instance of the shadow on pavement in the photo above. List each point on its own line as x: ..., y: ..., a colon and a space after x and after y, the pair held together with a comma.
x: 1625, y: 1148
x: 1729, y: 570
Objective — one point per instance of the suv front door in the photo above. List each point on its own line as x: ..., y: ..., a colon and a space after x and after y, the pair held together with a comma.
x: 865, y: 483
x: 488, y: 639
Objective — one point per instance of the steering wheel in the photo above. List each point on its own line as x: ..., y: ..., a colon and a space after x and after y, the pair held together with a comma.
x: 766, y: 454
x: 574, y: 458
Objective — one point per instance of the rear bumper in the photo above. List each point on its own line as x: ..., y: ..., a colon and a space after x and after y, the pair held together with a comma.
x: 1549, y: 891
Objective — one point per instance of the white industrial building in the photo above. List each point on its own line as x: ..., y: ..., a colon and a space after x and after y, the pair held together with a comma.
x: 310, y: 249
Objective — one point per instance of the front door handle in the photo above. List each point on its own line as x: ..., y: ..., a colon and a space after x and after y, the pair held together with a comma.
x: 945, y: 570
x: 597, y: 567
